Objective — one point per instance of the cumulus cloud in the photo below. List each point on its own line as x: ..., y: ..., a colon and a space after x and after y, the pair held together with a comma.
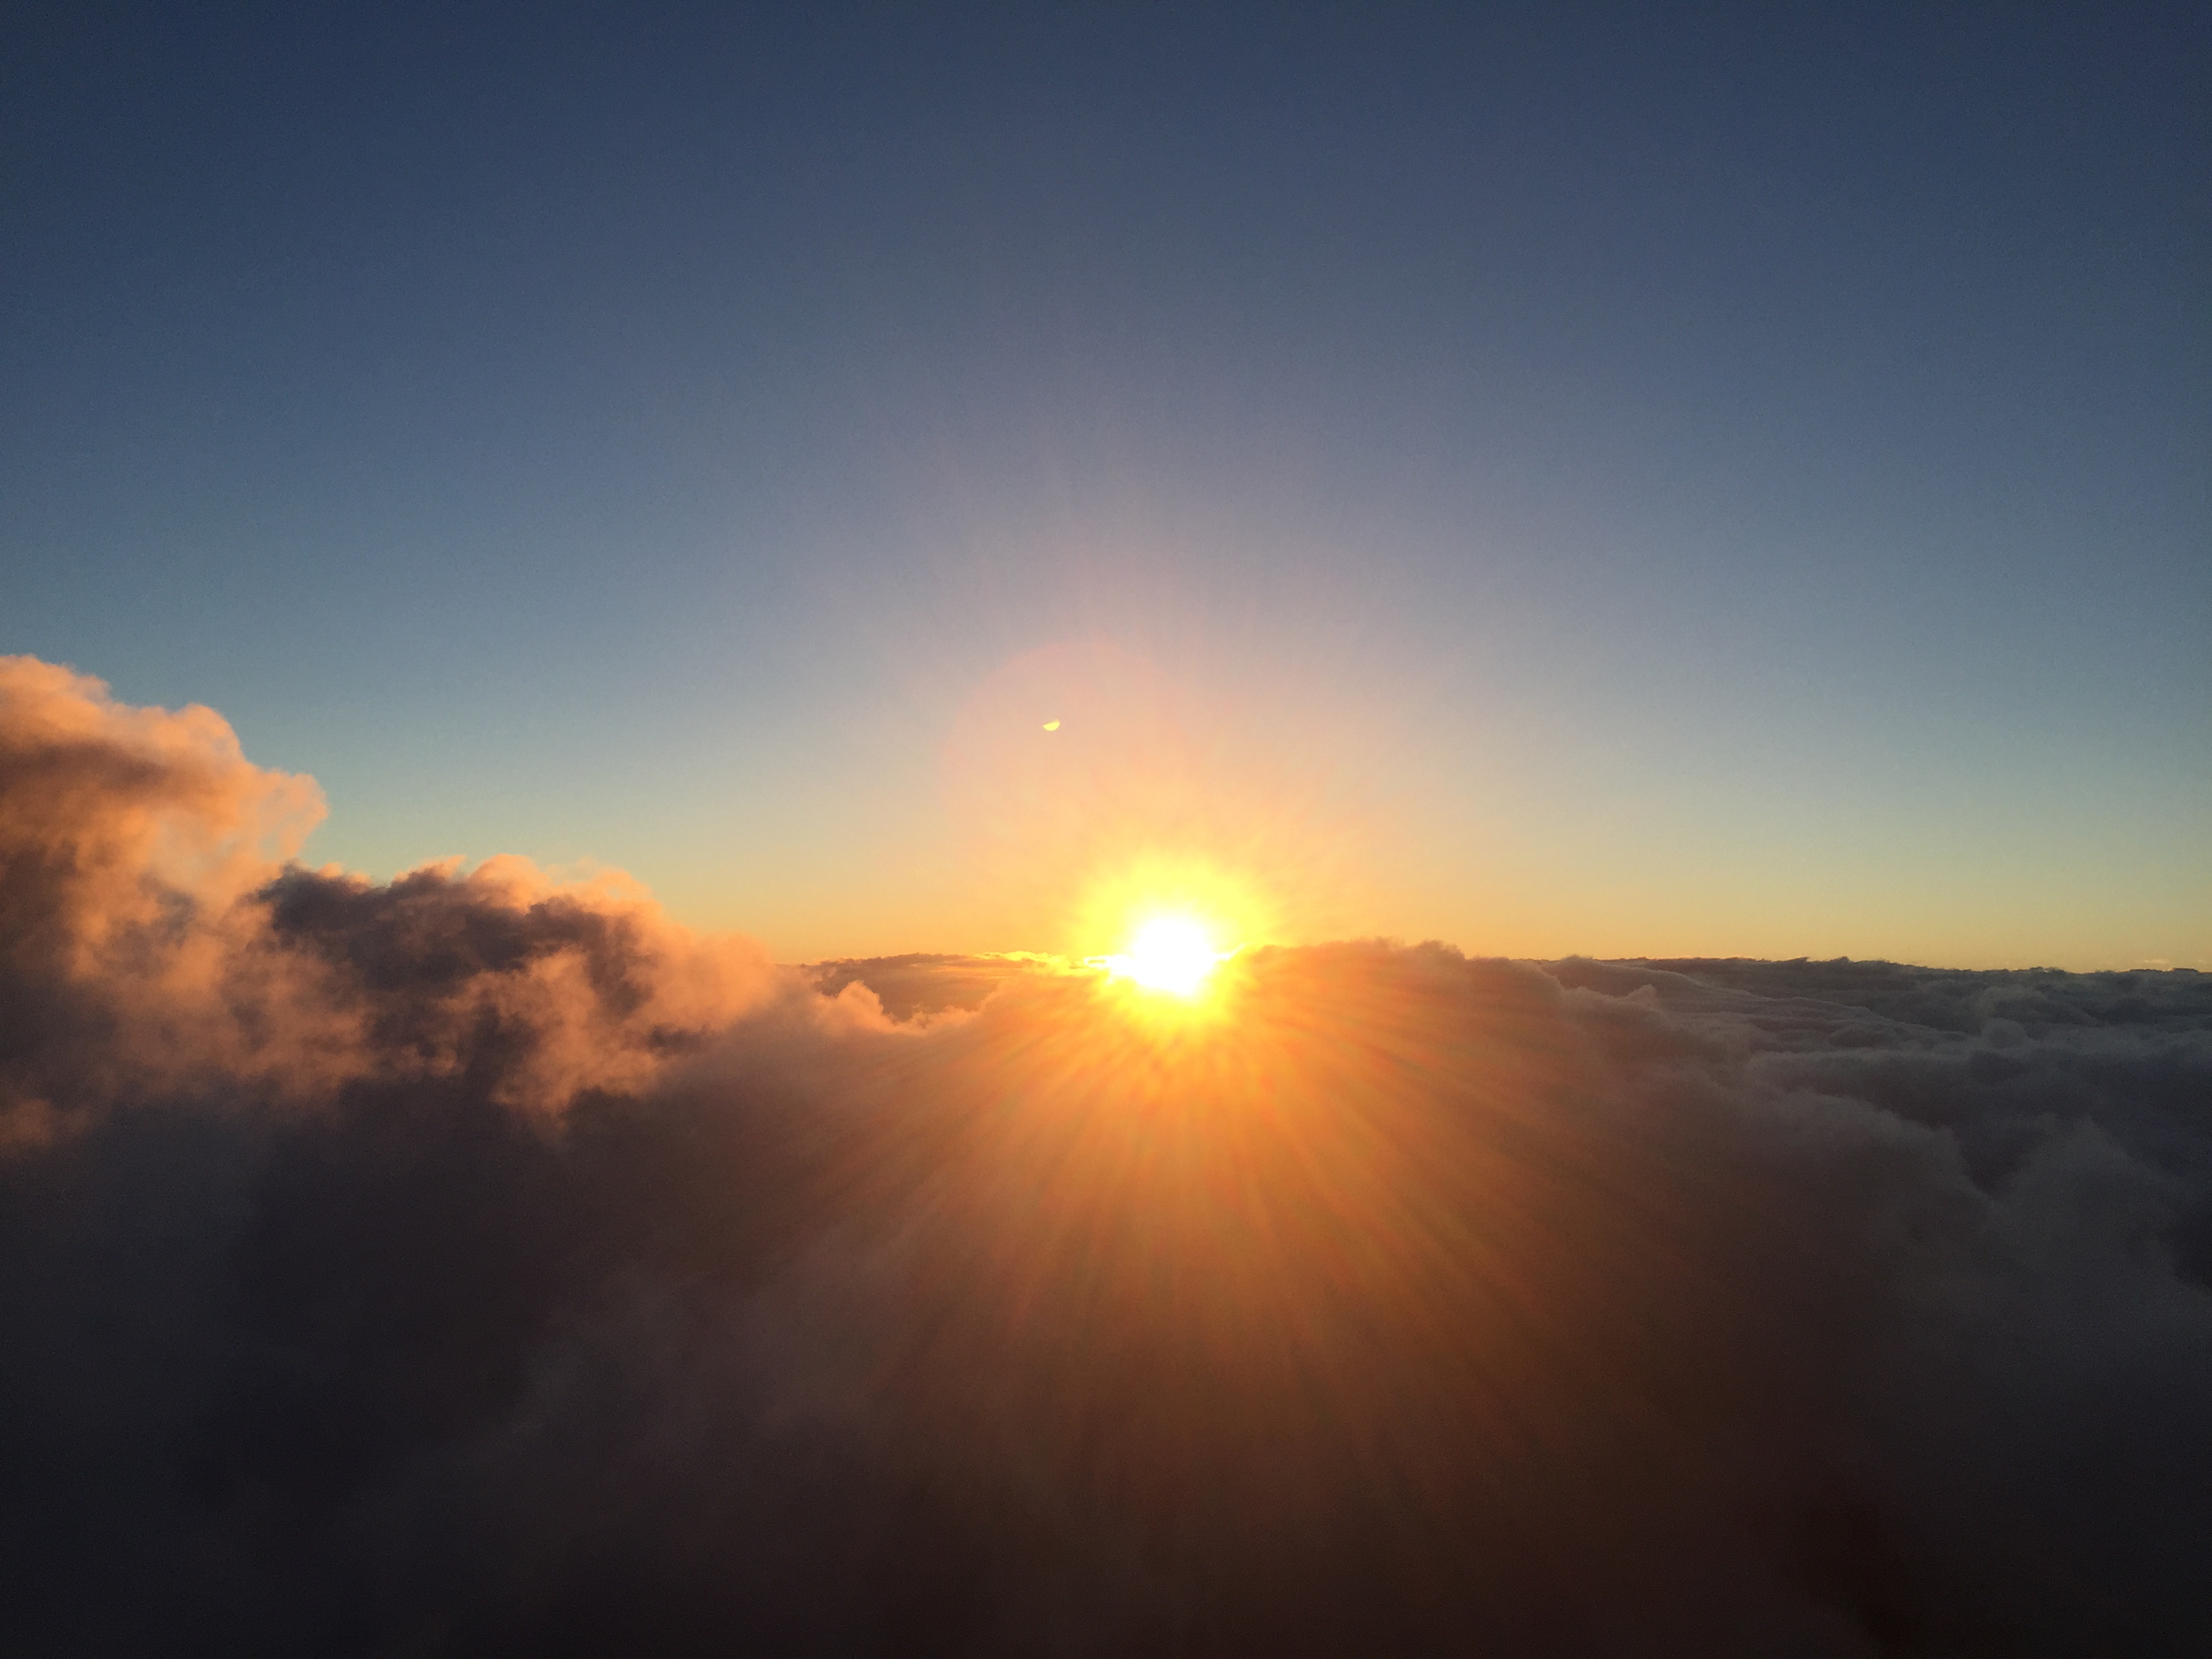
x: 155, y: 940
x: 479, y: 1263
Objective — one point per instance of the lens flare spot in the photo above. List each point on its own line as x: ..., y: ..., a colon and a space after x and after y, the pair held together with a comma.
x: 1052, y: 726
x: 1175, y: 954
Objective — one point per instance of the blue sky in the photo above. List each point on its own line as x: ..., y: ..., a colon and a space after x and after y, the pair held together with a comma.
x: 1620, y: 480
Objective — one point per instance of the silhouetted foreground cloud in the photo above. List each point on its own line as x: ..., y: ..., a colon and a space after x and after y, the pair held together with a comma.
x: 478, y: 1264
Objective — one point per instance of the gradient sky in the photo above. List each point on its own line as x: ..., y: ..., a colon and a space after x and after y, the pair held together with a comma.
x: 1614, y: 480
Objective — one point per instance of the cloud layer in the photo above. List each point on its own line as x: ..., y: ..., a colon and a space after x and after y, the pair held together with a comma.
x: 479, y: 1263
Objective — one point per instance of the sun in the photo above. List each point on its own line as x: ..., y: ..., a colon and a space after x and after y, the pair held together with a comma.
x: 1174, y: 954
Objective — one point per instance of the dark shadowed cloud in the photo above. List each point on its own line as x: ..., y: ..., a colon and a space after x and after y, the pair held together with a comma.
x: 480, y: 1263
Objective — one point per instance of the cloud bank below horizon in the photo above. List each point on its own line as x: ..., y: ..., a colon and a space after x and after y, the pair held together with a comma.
x: 480, y: 1262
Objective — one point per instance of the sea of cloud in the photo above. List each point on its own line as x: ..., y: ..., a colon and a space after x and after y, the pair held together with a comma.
x: 483, y: 1263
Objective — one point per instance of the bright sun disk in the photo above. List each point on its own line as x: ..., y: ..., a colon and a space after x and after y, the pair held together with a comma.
x: 1169, y: 953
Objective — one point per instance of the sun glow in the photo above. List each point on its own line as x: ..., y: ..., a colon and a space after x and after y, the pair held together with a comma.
x: 1174, y: 954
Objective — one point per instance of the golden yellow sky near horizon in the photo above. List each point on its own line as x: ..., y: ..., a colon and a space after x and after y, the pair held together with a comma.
x: 1135, y: 795
x: 1082, y: 788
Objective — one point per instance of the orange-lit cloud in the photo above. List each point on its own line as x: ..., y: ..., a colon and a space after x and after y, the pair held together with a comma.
x: 157, y: 939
